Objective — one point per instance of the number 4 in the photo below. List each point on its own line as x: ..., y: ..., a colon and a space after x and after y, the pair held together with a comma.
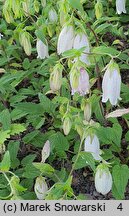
x: 120, y: 207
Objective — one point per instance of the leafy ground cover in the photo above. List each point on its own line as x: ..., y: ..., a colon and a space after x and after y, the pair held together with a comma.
x: 64, y: 99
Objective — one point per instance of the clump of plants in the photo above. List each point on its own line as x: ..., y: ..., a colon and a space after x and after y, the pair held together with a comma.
x: 64, y: 92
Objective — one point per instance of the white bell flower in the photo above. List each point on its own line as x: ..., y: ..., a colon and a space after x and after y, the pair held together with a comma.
x: 111, y: 84
x: 42, y: 49
x: 120, y: 6
x: 65, y: 40
x: 92, y: 145
x: 103, y: 179
x: 79, y: 80
x: 56, y: 78
x: 40, y: 188
x: 81, y: 40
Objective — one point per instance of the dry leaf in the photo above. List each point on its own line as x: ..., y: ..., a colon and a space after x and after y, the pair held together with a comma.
x: 117, y: 113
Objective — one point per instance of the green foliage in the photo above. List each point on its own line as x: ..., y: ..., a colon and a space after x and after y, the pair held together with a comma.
x: 120, y: 177
x: 33, y: 110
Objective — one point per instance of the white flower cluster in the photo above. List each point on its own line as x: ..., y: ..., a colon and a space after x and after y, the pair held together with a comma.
x: 68, y: 40
x: 79, y: 79
x: 103, y: 177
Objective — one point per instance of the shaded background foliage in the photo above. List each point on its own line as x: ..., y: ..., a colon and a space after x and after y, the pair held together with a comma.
x: 30, y: 114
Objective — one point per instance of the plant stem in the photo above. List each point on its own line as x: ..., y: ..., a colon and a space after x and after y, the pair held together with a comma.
x: 79, y: 150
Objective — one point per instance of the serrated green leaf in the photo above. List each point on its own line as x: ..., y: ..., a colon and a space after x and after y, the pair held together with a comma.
x: 5, y: 164
x: 4, y: 135
x: 85, y: 159
x: 44, y: 168
x: 120, y: 179
x: 5, y: 119
x: 16, y: 129
x: 103, y: 50
x: 60, y: 143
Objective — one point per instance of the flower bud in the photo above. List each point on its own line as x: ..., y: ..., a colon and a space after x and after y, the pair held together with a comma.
x: 87, y: 111
x: 62, y: 17
x: 8, y: 15
x: 65, y: 40
x: 36, y: 6
x: 43, y: 2
x: 42, y: 49
x: 16, y: 8
x: 120, y: 6
x: 50, y: 30
x: 25, y: 42
x: 52, y: 15
x: 79, y: 129
x: 92, y: 145
x: 45, y: 151
x: 103, y: 179
x: 98, y: 9
x: 26, y: 7
x: 67, y: 125
x: 111, y: 84
x: 79, y: 80
x: 81, y: 40
x: 40, y: 187
x: 56, y: 78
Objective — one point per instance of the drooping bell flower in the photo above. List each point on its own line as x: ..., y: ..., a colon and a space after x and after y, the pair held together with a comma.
x: 92, y: 145
x: 42, y: 49
x: 65, y: 40
x: 98, y: 9
x: 45, y: 151
x: 56, y: 78
x: 103, y: 179
x: 81, y: 40
x: 111, y: 84
x: 43, y: 3
x: 79, y: 80
x: 120, y: 6
x: 40, y: 187
x: 52, y: 15
x: 24, y: 39
x: 86, y: 107
x: 67, y: 124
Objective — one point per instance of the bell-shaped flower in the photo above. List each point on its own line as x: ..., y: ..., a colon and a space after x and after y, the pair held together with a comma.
x: 111, y: 84
x: 40, y: 187
x: 120, y: 6
x: 86, y: 107
x: 92, y: 145
x: 79, y: 80
x: 24, y: 38
x: 67, y: 124
x: 52, y: 15
x: 56, y: 78
x: 103, y: 179
x: 45, y: 151
x: 42, y: 49
x: 81, y: 40
x: 65, y: 40
x: 43, y: 3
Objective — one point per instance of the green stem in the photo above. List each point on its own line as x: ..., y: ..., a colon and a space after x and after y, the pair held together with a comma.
x: 79, y: 150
